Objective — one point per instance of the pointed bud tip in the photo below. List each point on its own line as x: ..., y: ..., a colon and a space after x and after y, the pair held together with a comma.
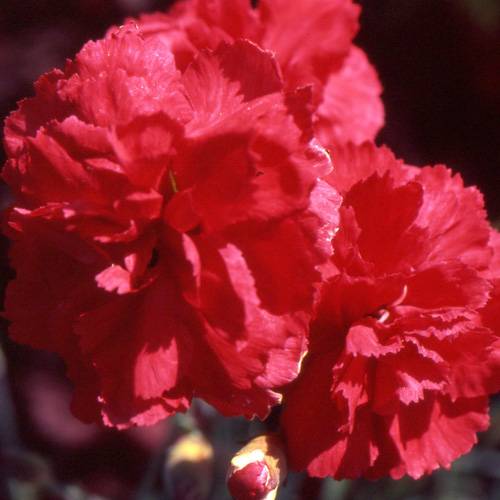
x: 258, y: 469
x: 252, y: 482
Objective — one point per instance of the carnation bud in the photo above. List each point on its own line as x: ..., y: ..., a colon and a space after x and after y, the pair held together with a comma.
x: 258, y: 469
x: 189, y: 468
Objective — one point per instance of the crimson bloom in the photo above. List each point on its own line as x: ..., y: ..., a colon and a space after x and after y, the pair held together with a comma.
x: 312, y: 40
x: 404, y: 344
x: 164, y: 239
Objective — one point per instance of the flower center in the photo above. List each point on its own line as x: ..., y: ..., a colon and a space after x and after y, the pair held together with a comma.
x: 384, y: 313
x: 173, y: 181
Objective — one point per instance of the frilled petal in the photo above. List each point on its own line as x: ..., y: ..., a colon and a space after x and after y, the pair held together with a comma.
x: 47, y: 170
x: 235, y: 17
x: 123, y: 76
x: 494, y: 244
x: 351, y: 108
x: 346, y: 300
x: 311, y: 411
x: 138, y: 336
x: 59, y: 274
x: 56, y: 274
x: 235, y: 154
x: 404, y: 377
x: 288, y: 28
x: 191, y: 25
x: 354, y: 163
x: 475, y: 364
x: 231, y: 80
x: 391, y: 212
x: 310, y: 419
x: 448, y: 285
x: 362, y: 340
x: 67, y: 164
x: 235, y: 179
x: 283, y: 258
x: 36, y: 112
x: 256, y: 350
x: 144, y: 148
x: 455, y: 218
x: 432, y: 434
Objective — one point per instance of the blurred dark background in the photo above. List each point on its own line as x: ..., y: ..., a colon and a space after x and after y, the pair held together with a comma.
x: 439, y: 62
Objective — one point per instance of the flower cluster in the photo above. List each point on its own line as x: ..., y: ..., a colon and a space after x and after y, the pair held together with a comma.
x: 199, y: 211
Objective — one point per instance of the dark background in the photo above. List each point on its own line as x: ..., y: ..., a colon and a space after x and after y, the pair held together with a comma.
x: 439, y: 62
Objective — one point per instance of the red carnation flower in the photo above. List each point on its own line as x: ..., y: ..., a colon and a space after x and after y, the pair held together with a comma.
x: 312, y: 40
x: 404, y: 344
x: 163, y: 235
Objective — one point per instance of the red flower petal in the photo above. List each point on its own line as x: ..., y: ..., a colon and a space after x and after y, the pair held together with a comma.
x: 288, y: 30
x: 433, y: 433
x: 455, y: 218
x: 351, y: 109
x: 237, y: 333
x: 137, y: 336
